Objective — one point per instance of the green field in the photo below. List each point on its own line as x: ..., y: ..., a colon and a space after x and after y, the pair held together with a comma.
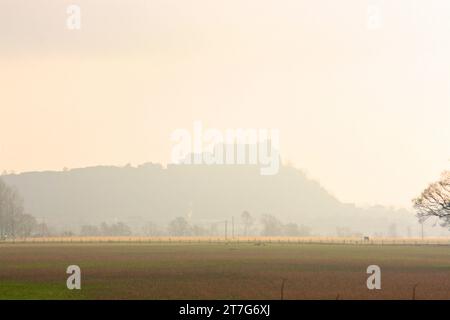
x: 222, y: 271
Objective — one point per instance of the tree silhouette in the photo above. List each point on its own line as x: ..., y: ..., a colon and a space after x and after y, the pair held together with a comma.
x: 435, y: 201
x: 247, y: 221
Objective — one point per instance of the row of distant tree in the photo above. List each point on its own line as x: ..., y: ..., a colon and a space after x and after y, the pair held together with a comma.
x: 433, y: 202
x: 181, y: 227
x: 269, y: 226
x: 115, y: 229
x: 15, y: 223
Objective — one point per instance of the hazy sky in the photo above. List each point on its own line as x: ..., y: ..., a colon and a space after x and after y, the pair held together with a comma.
x: 364, y: 110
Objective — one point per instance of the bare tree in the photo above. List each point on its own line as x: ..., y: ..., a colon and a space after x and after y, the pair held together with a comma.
x: 150, y: 229
x: 247, y: 221
x: 293, y: 230
x: 121, y: 229
x: 11, y: 211
x: 26, y: 225
x: 435, y: 201
x: 392, y: 231
x: 271, y: 226
x: 2, y: 209
x: 199, y: 231
x: 89, y: 230
x: 42, y: 230
x: 179, y: 227
x: 118, y: 229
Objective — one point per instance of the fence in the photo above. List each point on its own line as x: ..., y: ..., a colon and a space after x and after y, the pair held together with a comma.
x: 237, y: 240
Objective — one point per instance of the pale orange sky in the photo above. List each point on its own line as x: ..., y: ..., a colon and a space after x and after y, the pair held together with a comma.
x: 365, y: 112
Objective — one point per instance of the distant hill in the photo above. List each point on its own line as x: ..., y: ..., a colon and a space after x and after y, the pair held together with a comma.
x: 207, y: 194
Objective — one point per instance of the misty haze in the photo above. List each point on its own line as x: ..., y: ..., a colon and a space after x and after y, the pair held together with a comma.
x: 206, y: 150
x: 204, y: 196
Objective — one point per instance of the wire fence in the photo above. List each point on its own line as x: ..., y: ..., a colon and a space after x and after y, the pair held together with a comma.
x: 237, y: 240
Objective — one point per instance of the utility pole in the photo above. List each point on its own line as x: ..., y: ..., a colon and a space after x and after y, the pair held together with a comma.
x: 232, y: 227
x: 226, y: 229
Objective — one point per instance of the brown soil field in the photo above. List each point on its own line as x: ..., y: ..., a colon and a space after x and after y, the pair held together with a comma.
x: 244, y: 270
